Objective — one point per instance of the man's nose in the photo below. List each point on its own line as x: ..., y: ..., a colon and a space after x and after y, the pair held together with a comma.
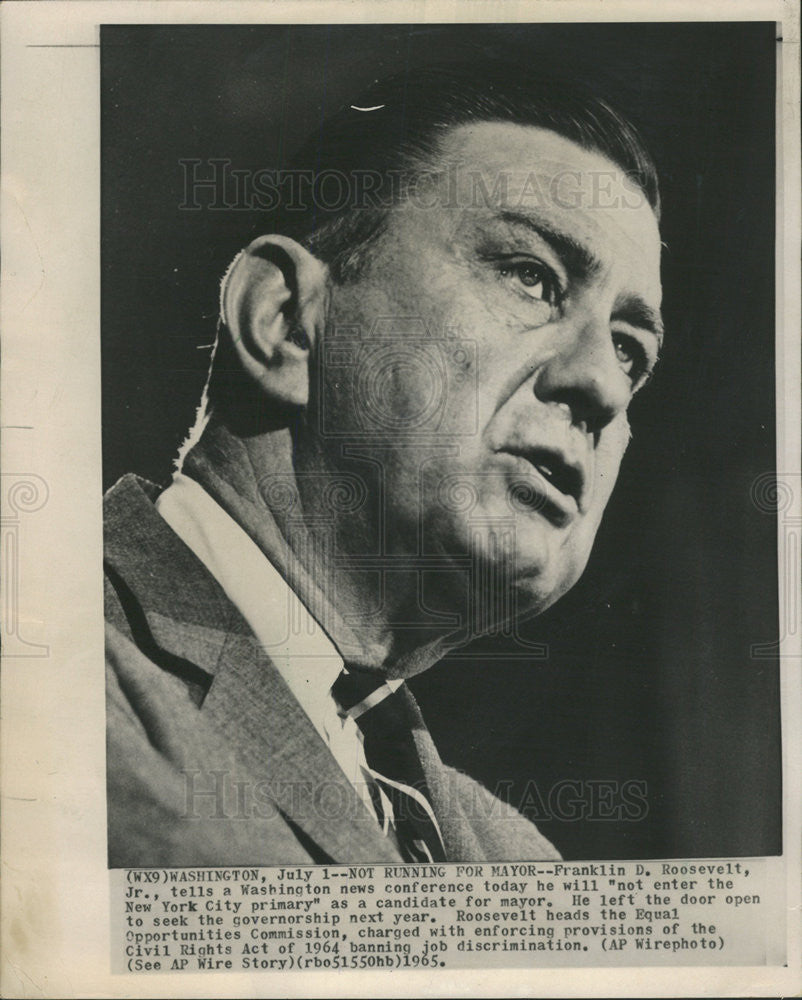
x: 584, y: 376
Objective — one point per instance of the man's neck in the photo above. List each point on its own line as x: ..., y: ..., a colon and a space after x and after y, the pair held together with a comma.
x: 289, y: 514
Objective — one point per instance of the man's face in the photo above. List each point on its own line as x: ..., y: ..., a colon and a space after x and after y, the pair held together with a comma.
x: 505, y: 320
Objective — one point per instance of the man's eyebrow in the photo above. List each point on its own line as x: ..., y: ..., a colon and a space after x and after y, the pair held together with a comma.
x: 575, y: 255
x: 582, y: 263
x: 633, y: 310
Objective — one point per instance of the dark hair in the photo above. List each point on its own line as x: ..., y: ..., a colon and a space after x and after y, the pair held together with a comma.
x: 400, y: 140
x: 403, y: 137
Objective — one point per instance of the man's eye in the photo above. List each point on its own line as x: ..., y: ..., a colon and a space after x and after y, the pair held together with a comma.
x: 631, y: 357
x: 534, y: 279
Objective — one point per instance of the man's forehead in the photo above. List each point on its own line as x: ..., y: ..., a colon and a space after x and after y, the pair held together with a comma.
x: 506, y: 174
x: 517, y: 152
x: 527, y: 167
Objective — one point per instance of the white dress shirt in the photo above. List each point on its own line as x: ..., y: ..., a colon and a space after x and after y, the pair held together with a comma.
x: 296, y: 644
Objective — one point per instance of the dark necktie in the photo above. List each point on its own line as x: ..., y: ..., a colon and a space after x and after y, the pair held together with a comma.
x: 385, y: 726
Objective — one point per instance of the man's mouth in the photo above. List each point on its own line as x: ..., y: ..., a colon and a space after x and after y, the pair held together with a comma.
x: 563, y: 481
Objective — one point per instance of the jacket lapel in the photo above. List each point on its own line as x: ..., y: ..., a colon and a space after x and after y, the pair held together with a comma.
x: 250, y: 698
x: 191, y: 620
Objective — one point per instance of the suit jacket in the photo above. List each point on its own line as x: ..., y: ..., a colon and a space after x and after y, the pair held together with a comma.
x: 210, y: 759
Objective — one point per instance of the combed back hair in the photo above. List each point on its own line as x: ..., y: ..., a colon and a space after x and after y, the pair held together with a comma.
x: 379, y: 153
x: 372, y: 157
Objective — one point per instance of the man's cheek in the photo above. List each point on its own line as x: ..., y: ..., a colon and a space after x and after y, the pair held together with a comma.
x: 602, y: 490
x: 609, y: 453
x: 616, y: 438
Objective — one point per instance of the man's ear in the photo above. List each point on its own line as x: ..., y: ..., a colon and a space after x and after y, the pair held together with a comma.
x: 273, y: 305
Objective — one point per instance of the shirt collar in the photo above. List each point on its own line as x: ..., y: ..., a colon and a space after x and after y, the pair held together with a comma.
x: 297, y: 645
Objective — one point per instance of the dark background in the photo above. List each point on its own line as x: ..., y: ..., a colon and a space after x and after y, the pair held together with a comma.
x: 649, y: 676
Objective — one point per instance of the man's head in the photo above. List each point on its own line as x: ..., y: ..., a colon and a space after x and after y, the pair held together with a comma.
x: 469, y: 333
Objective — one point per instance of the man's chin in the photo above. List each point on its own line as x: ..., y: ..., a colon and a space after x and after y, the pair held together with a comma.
x: 529, y: 558
x: 536, y: 578
x: 536, y: 594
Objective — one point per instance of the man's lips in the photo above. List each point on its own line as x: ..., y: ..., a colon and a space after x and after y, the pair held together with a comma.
x: 560, y: 480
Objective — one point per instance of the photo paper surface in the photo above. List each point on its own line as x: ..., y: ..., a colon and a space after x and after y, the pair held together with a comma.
x: 409, y: 409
